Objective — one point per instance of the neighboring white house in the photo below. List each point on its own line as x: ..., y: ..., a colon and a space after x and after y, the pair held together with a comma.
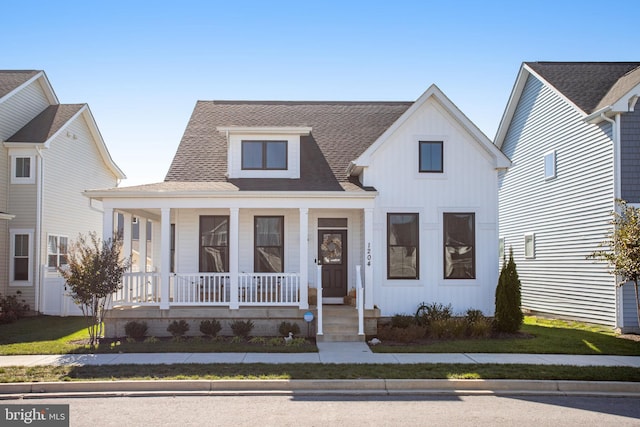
x: 50, y: 154
x: 573, y: 136
x: 261, y: 193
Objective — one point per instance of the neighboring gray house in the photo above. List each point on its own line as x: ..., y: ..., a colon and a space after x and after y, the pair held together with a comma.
x: 573, y: 135
x: 49, y: 154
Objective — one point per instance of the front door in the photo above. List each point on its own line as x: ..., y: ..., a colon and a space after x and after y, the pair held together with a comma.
x: 332, y: 250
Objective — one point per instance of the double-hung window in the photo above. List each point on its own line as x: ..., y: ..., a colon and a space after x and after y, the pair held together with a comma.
x: 57, y: 250
x: 430, y: 157
x: 269, y: 244
x: 21, y: 262
x: 264, y: 155
x: 402, y: 246
x: 214, y: 243
x: 22, y: 169
x: 459, y: 246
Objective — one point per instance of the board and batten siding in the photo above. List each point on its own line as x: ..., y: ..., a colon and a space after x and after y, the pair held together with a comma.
x: 569, y: 214
x: 468, y: 184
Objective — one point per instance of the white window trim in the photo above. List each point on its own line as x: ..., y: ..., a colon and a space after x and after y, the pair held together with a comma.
x: 12, y: 244
x: 53, y: 268
x: 533, y: 245
x: 31, y: 179
x: 549, y: 153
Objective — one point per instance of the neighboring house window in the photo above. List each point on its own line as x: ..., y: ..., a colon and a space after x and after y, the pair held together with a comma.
x: 22, y: 170
x: 501, y: 248
x: 268, y: 155
x: 529, y: 245
x: 269, y: 244
x: 402, y: 246
x: 57, y: 251
x: 214, y: 244
x: 459, y: 246
x: 430, y: 156
x: 550, y: 165
x: 21, y: 262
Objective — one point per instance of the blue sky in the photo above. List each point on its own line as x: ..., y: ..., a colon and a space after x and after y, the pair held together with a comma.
x: 141, y: 66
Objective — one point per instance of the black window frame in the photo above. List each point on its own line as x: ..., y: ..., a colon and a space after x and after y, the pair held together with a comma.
x: 421, y: 144
x: 416, y: 246
x: 265, y: 144
x: 446, y: 219
x: 256, y: 258
x: 201, y: 267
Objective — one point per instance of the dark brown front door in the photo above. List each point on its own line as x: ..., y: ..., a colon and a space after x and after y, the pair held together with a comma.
x: 332, y: 250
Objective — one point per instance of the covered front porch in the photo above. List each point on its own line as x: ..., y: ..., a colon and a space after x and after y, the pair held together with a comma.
x: 202, y: 257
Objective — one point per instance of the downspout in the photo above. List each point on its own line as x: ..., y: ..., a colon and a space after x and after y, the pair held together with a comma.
x: 38, y: 233
x: 617, y: 194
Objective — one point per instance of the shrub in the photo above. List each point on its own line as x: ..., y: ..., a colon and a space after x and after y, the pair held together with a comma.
x: 258, y: 340
x: 151, y: 340
x: 210, y: 328
x: 237, y: 340
x: 286, y: 327
x: 136, y: 330
x: 178, y: 328
x: 508, y: 317
x: 472, y: 316
x: 427, y: 313
x: 402, y: 321
x: 297, y: 342
x: 12, y: 309
x: 242, y: 328
x: 274, y: 342
x: 405, y: 335
x: 477, y: 325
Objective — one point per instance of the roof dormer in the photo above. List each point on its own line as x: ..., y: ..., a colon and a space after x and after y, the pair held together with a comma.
x: 263, y: 152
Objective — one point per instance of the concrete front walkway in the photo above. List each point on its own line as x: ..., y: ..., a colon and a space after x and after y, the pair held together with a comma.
x: 327, y: 353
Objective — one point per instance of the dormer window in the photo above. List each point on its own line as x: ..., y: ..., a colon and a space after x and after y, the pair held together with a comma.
x: 264, y: 155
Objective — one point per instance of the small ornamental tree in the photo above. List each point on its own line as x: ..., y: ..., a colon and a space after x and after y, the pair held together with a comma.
x: 622, y: 247
x: 508, y: 317
x: 93, y: 274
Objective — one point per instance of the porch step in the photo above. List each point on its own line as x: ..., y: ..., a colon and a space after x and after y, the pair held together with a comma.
x: 340, y: 324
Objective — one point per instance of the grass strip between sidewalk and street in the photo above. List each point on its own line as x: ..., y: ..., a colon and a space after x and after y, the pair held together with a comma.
x: 315, y: 371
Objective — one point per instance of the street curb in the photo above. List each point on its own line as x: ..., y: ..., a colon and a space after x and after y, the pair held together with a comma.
x: 314, y: 387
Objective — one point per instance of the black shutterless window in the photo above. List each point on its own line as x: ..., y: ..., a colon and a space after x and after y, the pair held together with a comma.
x: 264, y: 155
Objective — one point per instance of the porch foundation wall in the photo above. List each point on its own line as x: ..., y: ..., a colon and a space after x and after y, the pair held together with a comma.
x: 266, y: 320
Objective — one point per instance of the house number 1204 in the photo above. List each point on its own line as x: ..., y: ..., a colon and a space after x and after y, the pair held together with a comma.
x: 369, y: 254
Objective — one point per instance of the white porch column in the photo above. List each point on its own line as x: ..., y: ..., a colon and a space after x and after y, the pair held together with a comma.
x: 126, y: 236
x: 304, y: 258
x: 107, y: 224
x: 368, y: 259
x: 234, y: 256
x: 165, y: 257
x: 142, y: 245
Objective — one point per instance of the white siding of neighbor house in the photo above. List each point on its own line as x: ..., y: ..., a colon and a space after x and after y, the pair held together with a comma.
x: 15, y: 112
x: 72, y: 164
x: 468, y: 184
x: 569, y: 214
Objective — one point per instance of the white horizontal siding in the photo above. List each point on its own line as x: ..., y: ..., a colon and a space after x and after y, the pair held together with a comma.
x: 468, y: 184
x: 568, y: 214
x: 72, y: 164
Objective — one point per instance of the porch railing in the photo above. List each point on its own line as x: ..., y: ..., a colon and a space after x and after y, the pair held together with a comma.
x: 269, y: 289
x: 200, y: 288
x: 138, y: 289
x: 210, y: 289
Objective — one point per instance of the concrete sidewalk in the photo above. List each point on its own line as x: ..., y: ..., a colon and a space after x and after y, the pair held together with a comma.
x: 339, y: 353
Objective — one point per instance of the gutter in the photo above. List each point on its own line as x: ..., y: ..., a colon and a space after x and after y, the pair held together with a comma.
x: 38, y: 233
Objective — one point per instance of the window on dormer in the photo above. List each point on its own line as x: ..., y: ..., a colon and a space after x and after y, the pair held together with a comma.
x: 264, y: 155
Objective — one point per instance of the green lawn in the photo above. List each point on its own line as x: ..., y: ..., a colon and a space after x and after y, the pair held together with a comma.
x: 547, y: 337
x: 315, y: 371
x: 60, y: 335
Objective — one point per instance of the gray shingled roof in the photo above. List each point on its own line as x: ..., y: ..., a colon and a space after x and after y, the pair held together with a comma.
x: 45, y: 124
x: 588, y: 84
x: 341, y: 131
x: 11, y: 79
